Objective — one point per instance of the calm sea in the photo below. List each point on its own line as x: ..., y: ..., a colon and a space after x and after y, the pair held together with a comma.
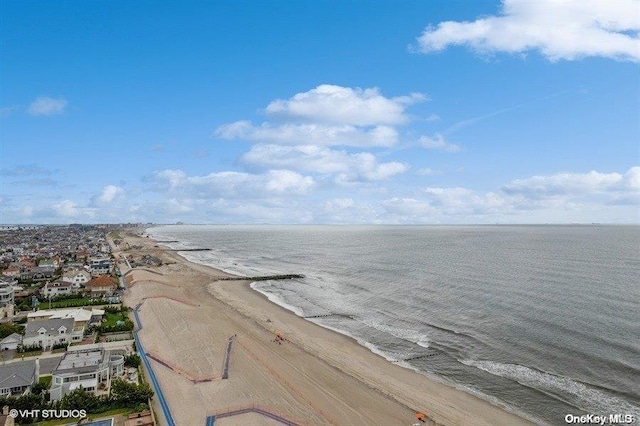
x: 544, y: 320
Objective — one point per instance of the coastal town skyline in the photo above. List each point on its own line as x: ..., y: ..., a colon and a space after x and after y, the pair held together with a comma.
x: 350, y: 112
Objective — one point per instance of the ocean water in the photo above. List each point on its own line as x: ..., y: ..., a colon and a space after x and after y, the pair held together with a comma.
x: 542, y: 320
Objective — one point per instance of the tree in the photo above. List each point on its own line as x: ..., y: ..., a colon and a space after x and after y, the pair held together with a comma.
x: 8, y: 329
x: 130, y: 394
x: 132, y: 360
x: 80, y: 399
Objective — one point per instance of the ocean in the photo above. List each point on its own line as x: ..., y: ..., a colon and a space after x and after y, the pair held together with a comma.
x: 542, y: 320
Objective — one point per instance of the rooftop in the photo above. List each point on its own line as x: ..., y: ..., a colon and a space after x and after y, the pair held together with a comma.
x: 85, y: 360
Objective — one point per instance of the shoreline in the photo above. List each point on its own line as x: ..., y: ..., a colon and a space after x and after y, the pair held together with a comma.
x: 406, y: 388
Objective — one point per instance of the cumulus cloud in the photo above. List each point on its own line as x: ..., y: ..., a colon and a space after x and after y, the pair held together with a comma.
x: 568, y: 29
x: 44, y: 105
x: 560, y: 197
x: 232, y: 184
x: 310, y: 133
x: 316, y: 159
x: 302, y: 128
x: 110, y: 193
x: 438, y: 142
x: 563, y: 184
x: 333, y: 104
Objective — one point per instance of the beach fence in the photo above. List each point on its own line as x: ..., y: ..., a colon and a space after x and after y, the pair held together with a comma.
x: 154, y: 380
x: 181, y: 372
x: 197, y: 379
x: 287, y: 383
x: 265, y: 411
x: 175, y: 299
x: 227, y: 357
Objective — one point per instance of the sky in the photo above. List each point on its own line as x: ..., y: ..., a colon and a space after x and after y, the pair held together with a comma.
x: 320, y: 112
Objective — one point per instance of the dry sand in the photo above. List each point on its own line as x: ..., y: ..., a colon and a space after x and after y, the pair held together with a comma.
x: 315, y: 377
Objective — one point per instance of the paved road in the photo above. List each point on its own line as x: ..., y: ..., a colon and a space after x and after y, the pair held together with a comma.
x: 48, y: 363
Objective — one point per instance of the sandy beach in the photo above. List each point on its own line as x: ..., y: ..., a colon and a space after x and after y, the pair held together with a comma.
x: 313, y: 376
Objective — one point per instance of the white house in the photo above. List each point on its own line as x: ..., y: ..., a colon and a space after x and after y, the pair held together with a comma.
x: 7, y: 296
x: 81, y: 317
x: 50, y: 332
x: 11, y: 342
x: 58, y: 288
x: 87, y: 368
x: 77, y: 277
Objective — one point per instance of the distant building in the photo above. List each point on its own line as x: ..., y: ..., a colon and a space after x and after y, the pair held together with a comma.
x: 13, y: 270
x: 38, y: 273
x: 77, y: 277
x: 101, y: 287
x: 57, y: 288
x: 86, y: 368
x: 100, y: 266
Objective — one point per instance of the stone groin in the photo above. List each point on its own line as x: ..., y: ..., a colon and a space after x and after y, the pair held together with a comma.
x: 193, y: 249
x: 264, y: 278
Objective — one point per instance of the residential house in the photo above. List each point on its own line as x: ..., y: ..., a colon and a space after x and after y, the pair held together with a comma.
x: 82, y: 318
x: 18, y: 377
x: 38, y: 273
x: 101, y: 287
x: 7, y: 291
x: 86, y: 368
x: 77, y: 277
x: 100, y: 266
x: 11, y: 342
x: 50, y: 332
x: 57, y: 288
x: 13, y: 270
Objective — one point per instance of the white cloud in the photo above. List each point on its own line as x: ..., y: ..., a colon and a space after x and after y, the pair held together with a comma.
x: 70, y: 209
x: 345, y: 105
x: 47, y: 106
x: 322, y: 160
x: 310, y: 133
x: 232, y: 184
x: 575, y: 184
x: 439, y: 143
x: 559, y: 29
x: 110, y: 193
x: 563, y: 197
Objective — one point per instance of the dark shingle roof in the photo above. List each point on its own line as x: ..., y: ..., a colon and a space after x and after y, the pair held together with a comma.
x: 17, y: 374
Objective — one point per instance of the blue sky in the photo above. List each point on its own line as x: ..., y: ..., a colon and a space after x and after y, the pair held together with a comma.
x: 320, y: 112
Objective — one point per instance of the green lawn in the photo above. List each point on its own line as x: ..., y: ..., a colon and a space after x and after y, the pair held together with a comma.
x: 112, y: 319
